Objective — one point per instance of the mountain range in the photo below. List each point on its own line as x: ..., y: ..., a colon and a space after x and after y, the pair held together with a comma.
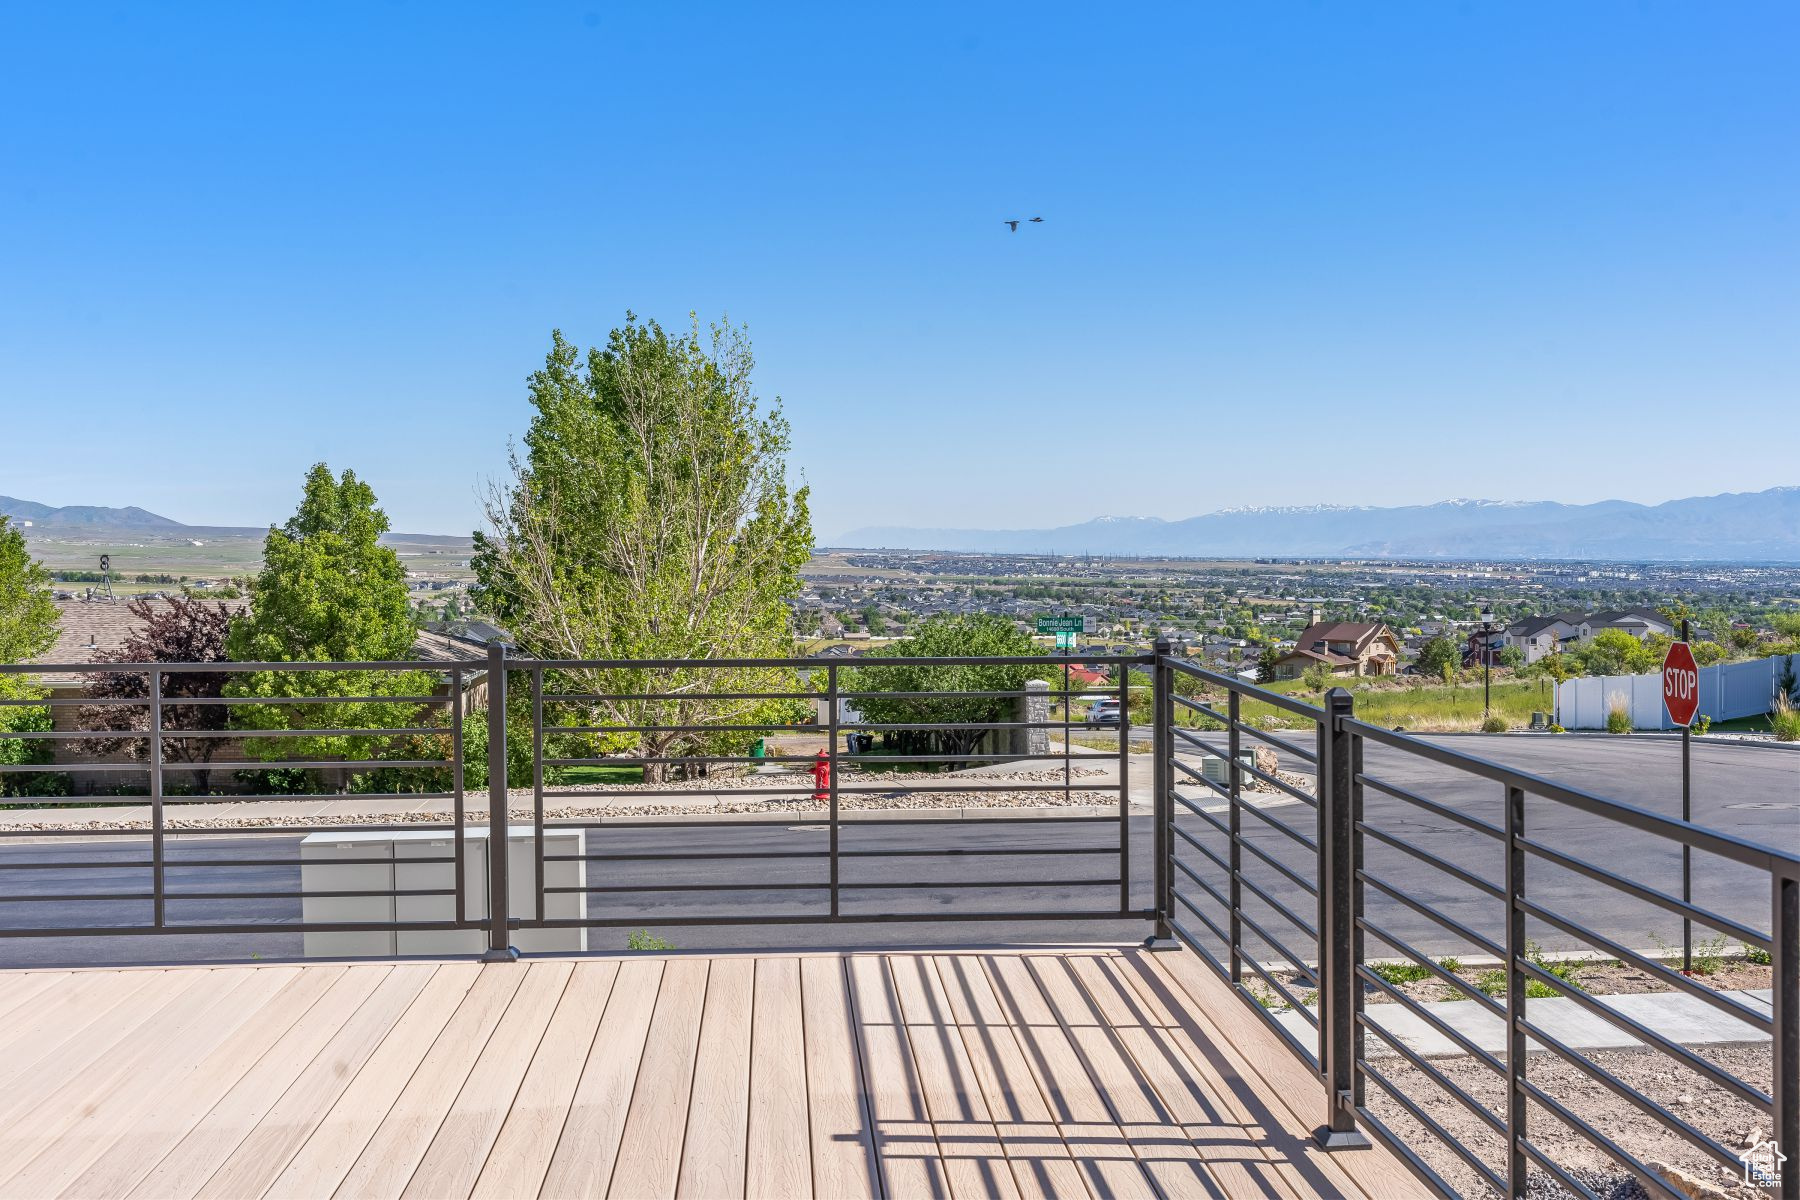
x: 1733, y: 527
x: 94, y: 521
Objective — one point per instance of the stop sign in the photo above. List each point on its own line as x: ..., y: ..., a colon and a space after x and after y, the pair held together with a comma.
x: 1681, y: 684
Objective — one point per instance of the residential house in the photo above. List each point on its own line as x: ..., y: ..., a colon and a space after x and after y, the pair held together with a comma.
x: 1640, y: 623
x: 1537, y: 636
x: 1343, y: 648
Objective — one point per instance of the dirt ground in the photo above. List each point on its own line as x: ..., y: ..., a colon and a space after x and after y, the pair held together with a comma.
x: 1706, y: 1106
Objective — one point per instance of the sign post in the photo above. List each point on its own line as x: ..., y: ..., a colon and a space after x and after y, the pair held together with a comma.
x: 1681, y: 697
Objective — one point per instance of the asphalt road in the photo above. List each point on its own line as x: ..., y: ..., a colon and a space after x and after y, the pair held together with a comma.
x: 1751, y: 792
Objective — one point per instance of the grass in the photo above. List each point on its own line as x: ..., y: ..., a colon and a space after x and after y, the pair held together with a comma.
x: 1416, y: 706
x: 1399, y: 973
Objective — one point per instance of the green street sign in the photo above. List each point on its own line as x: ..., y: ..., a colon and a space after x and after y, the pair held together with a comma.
x: 1062, y: 625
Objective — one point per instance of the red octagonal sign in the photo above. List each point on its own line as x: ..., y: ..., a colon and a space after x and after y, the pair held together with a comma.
x: 1681, y: 684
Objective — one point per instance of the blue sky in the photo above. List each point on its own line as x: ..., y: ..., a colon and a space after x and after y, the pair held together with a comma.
x: 1298, y: 253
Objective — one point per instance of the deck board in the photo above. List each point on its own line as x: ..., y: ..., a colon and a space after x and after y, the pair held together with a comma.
x: 1084, y: 1073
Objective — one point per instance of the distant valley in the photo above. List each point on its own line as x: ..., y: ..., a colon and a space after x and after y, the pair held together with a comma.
x: 1734, y: 527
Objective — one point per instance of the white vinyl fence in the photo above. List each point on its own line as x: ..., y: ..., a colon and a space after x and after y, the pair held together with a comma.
x: 1727, y: 691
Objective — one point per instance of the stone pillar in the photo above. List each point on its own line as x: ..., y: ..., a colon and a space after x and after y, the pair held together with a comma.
x: 1034, y: 706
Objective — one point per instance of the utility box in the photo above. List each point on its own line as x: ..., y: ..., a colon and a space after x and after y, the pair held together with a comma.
x: 384, y: 862
x: 1216, y: 770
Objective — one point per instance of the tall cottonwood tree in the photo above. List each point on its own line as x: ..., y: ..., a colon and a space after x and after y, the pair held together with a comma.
x: 649, y: 517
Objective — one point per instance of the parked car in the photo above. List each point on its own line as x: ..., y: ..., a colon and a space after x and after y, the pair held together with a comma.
x: 1103, y: 712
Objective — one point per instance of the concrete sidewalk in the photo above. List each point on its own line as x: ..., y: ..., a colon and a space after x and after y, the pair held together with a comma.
x: 1683, y: 1019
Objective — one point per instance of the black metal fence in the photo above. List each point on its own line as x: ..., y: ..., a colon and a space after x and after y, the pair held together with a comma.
x: 1295, y: 904
x: 1273, y: 853
x: 416, y: 739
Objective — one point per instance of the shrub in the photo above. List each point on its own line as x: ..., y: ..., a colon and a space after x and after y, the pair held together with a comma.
x: 1702, y: 724
x: 1494, y: 724
x: 1452, y: 965
x: 1618, y: 714
x: 1557, y: 729
x: 1784, y: 719
x: 1758, y: 956
x: 1491, y: 983
x: 643, y: 939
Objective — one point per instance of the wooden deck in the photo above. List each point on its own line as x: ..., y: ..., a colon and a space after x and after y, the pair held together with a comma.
x: 1087, y: 1073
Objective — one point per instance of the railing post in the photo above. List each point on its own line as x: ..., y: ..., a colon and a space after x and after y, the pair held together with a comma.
x: 831, y: 768
x: 157, y: 848
x: 1337, y: 963
x: 499, y: 849
x: 1235, y: 823
x: 1785, y: 927
x: 1515, y: 992
x: 1162, y: 783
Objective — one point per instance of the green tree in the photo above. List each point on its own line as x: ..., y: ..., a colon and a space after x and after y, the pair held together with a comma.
x: 1266, y: 658
x: 1614, y: 652
x: 28, y: 616
x: 1511, y: 657
x: 1436, y: 654
x: 975, y: 635
x: 28, y: 627
x: 328, y: 592
x: 650, y: 518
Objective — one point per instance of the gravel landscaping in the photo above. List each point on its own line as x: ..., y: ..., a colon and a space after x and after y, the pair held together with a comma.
x: 1709, y: 1108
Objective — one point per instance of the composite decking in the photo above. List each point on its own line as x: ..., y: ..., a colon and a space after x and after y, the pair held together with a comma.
x: 975, y: 1074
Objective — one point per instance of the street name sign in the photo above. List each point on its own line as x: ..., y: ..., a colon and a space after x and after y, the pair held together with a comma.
x: 1065, y: 624
x: 1681, y: 684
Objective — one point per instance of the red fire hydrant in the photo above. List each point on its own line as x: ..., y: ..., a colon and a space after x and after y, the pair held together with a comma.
x: 821, y: 773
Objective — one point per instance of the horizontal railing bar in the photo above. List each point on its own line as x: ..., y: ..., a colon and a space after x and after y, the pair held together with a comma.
x: 1419, y: 1010
x: 757, y: 793
x: 1271, y: 822
x: 1612, y: 1148
x: 1629, y: 1094
x: 97, y: 864
x: 1219, y: 898
x: 1481, y: 998
x: 1209, y: 855
x: 1630, y: 815
x: 75, y: 702
x: 1430, y: 914
x: 1282, y: 744
x: 638, y: 920
x: 1645, y: 1034
x: 1443, y: 1135
x: 1193, y: 941
x: 389, y: 893
x: 1293, y: 918
x: 849, y: 821
x: 1307, y: 975
x: 1431, y: 806
x: 1418, y: 1061
x: 813, y: 664
x: 1293, y: 1001
x: 63, y: 897
x: 1196, y: 777
x: 247, y: 927
x: 1563, y: 1177
x: 768, y: 886
x: 1432, y: 860
x: 1674, y: 979
x: 177, y: 864
x: 83, y: 735
x: 1649, y: 895
x: 1273, y: 699
x: 686, y: 856
x: 1194, y: 705
x: 676, y: 697
x: 603, y: 730
x: 228, y: 701
x: 1293, y: 876
x: 227, y: 668
x: 248, y: 734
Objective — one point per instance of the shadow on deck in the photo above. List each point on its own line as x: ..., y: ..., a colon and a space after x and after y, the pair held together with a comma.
x: 975, y: 1073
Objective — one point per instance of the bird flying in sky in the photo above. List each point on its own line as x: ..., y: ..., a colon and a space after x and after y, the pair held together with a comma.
x: 1014, y: 225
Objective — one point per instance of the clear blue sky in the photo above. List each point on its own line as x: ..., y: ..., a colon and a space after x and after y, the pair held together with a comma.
x: 1378, y: 254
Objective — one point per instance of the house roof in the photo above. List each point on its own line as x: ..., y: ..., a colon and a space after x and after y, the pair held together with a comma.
x: 91, y: 629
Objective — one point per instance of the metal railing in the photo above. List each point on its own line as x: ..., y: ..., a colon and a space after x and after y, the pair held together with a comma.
x: 1286, y: 900
x: 164, y: 870
x: 1280, y: 864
